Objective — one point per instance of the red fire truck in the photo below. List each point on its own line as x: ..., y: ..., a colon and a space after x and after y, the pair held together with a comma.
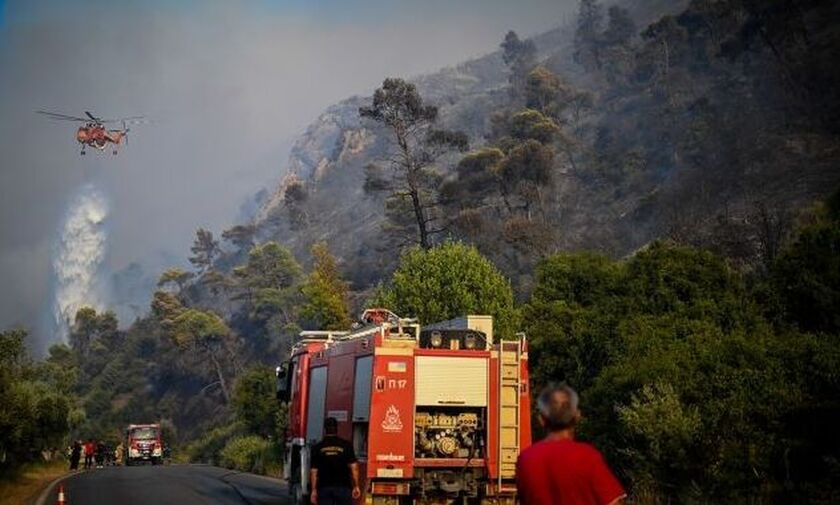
x: 143, y: 443
x: 436, y: 414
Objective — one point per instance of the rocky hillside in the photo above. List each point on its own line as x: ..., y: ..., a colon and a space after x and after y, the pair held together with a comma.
x: 682, y: 139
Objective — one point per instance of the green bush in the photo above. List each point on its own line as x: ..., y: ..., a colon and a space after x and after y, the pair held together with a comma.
x: 684, y: 385
x: 254, y: 401
x: 208, y: 448
x: 248, y: 453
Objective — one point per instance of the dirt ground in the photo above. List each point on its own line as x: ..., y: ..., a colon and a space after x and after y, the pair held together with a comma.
x: 24, y: 488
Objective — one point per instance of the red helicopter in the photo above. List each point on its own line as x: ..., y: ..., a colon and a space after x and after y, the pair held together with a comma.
x: 94, y: 133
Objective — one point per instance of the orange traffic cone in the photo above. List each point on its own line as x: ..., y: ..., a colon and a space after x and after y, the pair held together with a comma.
x: 61, y: 500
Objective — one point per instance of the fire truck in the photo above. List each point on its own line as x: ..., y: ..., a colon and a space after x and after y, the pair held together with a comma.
x: 436, y: 414
x: 143, y: 443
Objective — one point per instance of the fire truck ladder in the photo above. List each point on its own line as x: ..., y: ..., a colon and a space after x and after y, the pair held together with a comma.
x: 510, y: 363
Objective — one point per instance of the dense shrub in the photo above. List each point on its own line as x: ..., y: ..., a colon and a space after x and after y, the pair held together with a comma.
x: 448, y: 281
x: 692, y: 394
x: 208, y: 448
x: 248, y: 453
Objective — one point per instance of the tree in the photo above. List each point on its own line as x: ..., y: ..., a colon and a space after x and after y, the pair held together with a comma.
x: 412, y: 203
x: 175, y: 276
x: 166, y: 307
x: 684, y: 381
x: 84, y: 330
x: 806, y: 278
x: 241, y: 236
x: 270, y: 279
x: 531, y: 125
x: 254, y: 401
x: 325, y: 293
x: 269, y: 265
x: 588, y: 34
x: 34, y: 414
x: 620, y: 27
x: 520, y: 56
x: 295, y: 196
x: 448, y: 281
x: 616, y: 54
x: 205, y: 249
x: 525, y: 170
x: 545, y: 92
x: 207, y: 339
x: 477, y: 180
x: 91, y: 330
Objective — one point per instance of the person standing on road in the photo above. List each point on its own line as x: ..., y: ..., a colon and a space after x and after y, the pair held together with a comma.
x: 118, y: 454
x: 334, y: 477
x: 100, y: 454
x: 558, y: 469
x: 90, y: 448
x: 75, y: 455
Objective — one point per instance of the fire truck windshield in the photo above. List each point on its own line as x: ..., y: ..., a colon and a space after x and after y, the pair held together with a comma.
x: 143, y: 433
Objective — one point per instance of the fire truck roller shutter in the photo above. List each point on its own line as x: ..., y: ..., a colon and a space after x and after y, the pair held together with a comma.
x: 436, y: 376
x: 317, y: 401
x: 362, y: 385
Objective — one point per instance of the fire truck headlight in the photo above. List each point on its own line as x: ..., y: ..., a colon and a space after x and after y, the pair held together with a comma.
x: 437, y: 339
x: 469, y: 341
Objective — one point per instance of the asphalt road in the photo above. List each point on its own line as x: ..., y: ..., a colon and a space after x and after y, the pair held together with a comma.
x: 163, y: 485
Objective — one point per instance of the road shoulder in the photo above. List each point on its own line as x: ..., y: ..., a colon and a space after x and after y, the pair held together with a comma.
x: 28, y: 486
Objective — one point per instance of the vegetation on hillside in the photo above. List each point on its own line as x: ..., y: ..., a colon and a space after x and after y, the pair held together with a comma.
x: 707, y: 356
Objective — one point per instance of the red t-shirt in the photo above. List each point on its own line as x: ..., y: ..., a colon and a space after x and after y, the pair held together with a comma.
x: 565, y: 472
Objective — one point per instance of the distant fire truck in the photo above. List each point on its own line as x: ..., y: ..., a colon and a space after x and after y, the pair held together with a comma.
x: 436, y: 414
x: 143, y: 443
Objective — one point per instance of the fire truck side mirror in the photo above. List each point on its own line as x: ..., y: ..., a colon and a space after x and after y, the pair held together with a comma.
x: 282, y: 382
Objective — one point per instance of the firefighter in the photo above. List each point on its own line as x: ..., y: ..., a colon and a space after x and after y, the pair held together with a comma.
x: 89, y: 448
x: 558, y: 469
x: 75, y: 455
x: 118, y: 454
x: 334, y: 477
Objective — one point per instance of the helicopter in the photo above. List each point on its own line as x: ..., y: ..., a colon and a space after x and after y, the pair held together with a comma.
x: 93, y: 133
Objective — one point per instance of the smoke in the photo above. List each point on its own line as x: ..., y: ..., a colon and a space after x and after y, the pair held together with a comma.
x: 78, y: 256
x: 227, y: 86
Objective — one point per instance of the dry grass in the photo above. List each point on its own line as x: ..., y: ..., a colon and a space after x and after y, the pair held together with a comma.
x: 29, y: 482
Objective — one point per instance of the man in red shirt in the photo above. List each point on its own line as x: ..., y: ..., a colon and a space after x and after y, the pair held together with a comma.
x: 89, y: 450
x: 558, y: 470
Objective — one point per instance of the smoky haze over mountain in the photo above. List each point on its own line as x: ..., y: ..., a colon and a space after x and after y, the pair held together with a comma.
x: 226, y: 86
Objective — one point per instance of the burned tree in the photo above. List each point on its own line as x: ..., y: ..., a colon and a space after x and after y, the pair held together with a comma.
x: 412, y: 177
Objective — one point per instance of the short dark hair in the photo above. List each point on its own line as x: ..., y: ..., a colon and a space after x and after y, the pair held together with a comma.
x: 558, y: 406
x: 330, y: 426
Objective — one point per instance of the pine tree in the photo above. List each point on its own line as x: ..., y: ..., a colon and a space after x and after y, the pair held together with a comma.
x: 411, y: 184
x: 325, y: 293
x: 205, y: 249
x: 588, y: 34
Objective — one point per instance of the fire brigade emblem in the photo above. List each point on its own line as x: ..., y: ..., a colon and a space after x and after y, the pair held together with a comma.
x: 392, y: 421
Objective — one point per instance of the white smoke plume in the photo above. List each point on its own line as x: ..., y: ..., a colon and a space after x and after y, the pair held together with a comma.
x: 78, y: 256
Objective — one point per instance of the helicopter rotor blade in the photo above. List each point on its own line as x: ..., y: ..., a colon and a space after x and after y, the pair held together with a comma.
x: 130, y: 120
x: 92, y: 117
x: 61, y: 117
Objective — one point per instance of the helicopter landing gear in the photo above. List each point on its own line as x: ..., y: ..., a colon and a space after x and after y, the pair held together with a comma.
x: 114, y: 152
x: 83, y: 152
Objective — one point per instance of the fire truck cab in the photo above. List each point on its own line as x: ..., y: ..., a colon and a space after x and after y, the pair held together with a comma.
x: 436, y: 414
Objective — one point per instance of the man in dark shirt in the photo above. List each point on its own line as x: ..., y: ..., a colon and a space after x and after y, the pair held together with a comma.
x: 559, y: 470
x: 334, y: 477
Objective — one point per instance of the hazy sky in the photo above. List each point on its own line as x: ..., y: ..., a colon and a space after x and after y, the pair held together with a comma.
x: 227, y: 85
